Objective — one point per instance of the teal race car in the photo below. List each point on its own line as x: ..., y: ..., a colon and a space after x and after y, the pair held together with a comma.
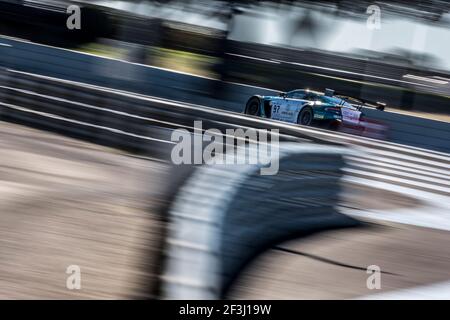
x: 307, y: 107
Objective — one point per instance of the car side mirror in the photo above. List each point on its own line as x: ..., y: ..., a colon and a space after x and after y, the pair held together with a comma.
x: 282, y: 94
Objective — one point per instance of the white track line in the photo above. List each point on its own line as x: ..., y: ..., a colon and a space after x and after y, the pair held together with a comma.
x: 436, y: 291
x: 390, y: 186
x: 402, y: 174
x: 376, y: 176
x: 427, y: 216
x: 400, y: 156
x: 403, y: 165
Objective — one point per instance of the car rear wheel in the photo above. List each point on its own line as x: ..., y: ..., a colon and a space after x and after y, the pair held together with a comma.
x: 306, y: 116
x: 252, y: 107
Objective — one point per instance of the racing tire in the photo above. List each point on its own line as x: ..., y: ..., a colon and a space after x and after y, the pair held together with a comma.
x: 306, y: 116
x: 252, y: 107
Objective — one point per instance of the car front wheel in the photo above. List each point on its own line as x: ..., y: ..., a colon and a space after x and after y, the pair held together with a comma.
x: 252, y: 107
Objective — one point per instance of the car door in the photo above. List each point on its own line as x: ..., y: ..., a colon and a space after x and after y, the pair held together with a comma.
x: 295, y: 105
x: 279, y: 108
x: 293, y: 109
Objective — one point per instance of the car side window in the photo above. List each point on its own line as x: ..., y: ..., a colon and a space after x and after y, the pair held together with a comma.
x: 310, y: 96
x: 296, y: 95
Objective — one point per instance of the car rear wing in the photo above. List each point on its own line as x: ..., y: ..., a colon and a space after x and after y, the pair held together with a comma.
x: 359, y: 103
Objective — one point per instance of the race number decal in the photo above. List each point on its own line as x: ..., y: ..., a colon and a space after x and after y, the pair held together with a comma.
x: 278, y: 109
x: 351, y: 116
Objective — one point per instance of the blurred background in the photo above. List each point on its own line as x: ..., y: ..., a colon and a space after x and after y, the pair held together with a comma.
x: 280, y: 45
x: 86, y: 178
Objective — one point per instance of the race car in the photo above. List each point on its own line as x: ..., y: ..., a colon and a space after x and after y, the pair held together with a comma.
x: 307, y: 107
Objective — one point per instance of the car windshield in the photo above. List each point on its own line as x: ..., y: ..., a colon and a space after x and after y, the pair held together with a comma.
x: 330, y: 100
x: 303, y: 94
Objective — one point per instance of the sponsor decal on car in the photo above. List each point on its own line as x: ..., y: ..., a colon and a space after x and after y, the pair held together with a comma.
x: 318, y: 116
x: 351, y: 116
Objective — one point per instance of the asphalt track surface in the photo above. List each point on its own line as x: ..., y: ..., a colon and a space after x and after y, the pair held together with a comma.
x: 66, y: 202
x: 403, y: 193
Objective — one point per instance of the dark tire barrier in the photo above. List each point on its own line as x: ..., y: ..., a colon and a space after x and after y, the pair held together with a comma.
x: 223, y: 216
